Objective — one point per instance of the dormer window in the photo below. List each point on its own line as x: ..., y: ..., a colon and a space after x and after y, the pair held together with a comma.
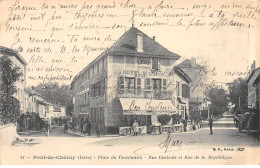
x: 155, y: 63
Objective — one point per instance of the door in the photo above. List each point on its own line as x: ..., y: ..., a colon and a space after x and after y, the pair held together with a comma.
x: 149, y: 124
x: 157, y: 85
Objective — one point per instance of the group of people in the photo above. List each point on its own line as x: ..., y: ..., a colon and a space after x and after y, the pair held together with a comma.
x: 85, y: 127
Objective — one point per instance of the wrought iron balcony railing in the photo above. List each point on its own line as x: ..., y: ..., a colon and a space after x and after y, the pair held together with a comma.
x: 147, y: 94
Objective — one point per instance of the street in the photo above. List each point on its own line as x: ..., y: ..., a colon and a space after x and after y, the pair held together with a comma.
x: 225, y: 138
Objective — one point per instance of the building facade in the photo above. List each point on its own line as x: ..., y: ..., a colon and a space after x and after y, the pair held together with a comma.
x: 253, y: 83
x: 252, y: 89
x: 18, y: 61
x: 134, y: 79
x: 198, y: 99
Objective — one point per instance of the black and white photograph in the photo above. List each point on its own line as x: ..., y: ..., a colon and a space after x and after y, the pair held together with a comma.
x: 128, y: 82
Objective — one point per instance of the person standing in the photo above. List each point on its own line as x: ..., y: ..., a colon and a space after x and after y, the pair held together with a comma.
x: 81, y: 127
x: 210, y: 125
x: 89, y: 128
x: 98, y: 130
x: 66, y: 127
x: 135, y: 128
x: 47, y: 128
x: 74, y: 126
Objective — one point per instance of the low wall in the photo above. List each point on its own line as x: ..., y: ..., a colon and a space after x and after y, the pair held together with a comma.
x: 7, y: 134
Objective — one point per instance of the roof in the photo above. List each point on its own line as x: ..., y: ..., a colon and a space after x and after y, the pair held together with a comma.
x: 196, y: 100
x: 127, y: 44
x: 253, y: 72
x: 33, y: 93
x: 13, y: 52
x: 188, y: 64
x: 256, y: 80
x: 182, y: 74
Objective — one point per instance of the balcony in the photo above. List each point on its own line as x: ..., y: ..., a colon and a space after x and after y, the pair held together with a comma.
x: 147, y: 94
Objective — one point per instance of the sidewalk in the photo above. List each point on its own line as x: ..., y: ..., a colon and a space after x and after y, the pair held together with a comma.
x: 28, y: 132
x: 91, y: 136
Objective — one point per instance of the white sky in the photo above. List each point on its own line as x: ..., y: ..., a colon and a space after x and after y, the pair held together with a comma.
x: 228, y: 48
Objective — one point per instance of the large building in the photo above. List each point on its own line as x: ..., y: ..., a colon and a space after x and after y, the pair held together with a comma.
x: 134, y: 79
x: 198, y: 99
x: 253, y: 83
x: 18, y: 61
x: 252, y: 89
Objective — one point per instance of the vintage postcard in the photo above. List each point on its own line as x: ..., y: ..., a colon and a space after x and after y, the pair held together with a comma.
x: 129, y: 82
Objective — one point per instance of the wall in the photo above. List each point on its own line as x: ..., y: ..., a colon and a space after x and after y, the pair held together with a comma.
x: 63, y: 112
x: 198, y: 77
x: 7, y: 134
x: 84, y: 101
x: 252, y: 89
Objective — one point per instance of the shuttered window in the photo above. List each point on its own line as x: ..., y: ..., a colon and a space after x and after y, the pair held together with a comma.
x: 138, y: 85
x: 155, y: 63
x: 164, y: 84
x: 120, y: 83
x: 148, y: 83
x: 178, y: 88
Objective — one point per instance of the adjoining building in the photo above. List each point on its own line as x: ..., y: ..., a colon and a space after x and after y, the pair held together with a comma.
x: 252, y: 89
x: 134, y: 79
x: 33, y: 106
x: 253, y: 83
x: 18, y: 61
x: 198, y: 100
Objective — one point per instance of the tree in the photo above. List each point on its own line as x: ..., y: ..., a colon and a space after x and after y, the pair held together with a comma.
x: 238, y: 93
x: 176, y: 118
x: 219, y: 100
x: 57, y: 94
x: 194, y: 114
x: 9, y: 105
x: 164, y: 119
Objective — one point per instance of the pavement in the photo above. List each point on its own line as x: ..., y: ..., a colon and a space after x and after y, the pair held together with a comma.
x: 93, y: 149
x: 224, y: 134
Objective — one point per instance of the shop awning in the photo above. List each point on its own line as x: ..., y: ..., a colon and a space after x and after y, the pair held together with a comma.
x: 136, y: 106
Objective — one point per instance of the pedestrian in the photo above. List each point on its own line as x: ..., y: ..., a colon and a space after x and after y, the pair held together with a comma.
x: 74, y: 126
x: 184, y: 122
x: 84, y: 127
x: 47, y: 128
x: 66, y: 127
x: 81, y: 127
x: 98, y: 129
x: 210, y: 125
x: 135, y: 128
x: 89, y: 128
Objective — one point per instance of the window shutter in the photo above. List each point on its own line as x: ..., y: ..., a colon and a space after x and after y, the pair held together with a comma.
x: 138, y: 85
x: 120, y: 83
x: 164, y: 84
x: 148, y: 83
x: 159, y: 63
x: 183, y: 90
x: 188, y: 92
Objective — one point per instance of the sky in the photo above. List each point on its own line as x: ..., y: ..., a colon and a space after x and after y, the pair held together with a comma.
x: 228, y: 49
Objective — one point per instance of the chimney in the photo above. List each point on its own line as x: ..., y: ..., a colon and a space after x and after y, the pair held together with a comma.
x: 193, y: 62
x: 140, y: 42
x: 253, y: 66
x: 153, y: 37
